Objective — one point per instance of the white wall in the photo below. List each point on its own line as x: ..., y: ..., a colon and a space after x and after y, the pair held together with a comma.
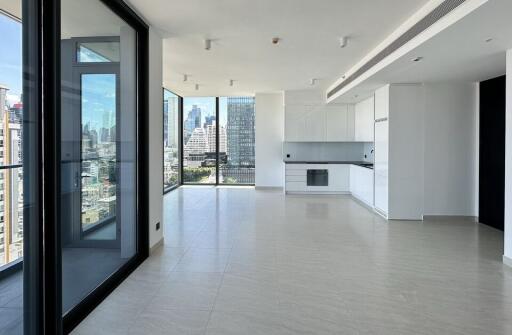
x: 451, y: 149
x: 507, y: 257
x: 269, y: 138
x: 155, y: 145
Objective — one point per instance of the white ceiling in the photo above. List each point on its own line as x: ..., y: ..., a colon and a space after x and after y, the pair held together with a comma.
x: 242, y: 30
x: 13, y: 7
x: 459, y: 53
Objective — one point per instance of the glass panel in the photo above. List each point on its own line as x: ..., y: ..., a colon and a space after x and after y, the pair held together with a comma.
x: 171, y: 153
x: 236, y: 140
x: 11, y: 172
x: 99, y: 153
x: 199, y: 140
x: 98, y: 52
x: 98, y: 147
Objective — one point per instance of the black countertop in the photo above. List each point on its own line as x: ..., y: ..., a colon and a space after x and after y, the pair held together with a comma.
x: 359, y: 163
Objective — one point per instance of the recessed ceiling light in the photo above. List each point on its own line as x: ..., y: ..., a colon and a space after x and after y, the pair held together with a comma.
x: 417, y: 59
x: 207, y: 44
x: 343, y: 41
x: 312, y: 82
x: 276, y: 40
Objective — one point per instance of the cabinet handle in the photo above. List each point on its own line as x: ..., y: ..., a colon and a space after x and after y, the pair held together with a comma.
x: 381, y: 119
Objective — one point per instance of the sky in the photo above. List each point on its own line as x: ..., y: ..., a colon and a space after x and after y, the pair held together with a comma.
x: 11, y: 57
x: 207, y: 105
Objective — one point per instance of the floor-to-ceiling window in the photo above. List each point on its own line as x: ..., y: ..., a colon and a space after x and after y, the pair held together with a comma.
x: 199, y: 140
x: 11, y: 169
x: 237, y: 139
x: 171, y: 143
x: 218, y: 140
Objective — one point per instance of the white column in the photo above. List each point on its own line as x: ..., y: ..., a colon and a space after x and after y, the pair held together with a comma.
x: 507, y: 257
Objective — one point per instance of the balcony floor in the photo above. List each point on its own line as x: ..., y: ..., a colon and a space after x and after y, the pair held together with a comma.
x: 84, y: 269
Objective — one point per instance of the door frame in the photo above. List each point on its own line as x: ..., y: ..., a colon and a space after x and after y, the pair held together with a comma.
x: 41, y: 143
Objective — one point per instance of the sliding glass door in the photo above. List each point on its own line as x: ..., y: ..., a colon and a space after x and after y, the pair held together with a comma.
x: 218, y: 140
x: 100, y: 210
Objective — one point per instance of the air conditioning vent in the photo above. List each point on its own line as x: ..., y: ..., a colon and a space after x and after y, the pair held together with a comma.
x: 435, y: 15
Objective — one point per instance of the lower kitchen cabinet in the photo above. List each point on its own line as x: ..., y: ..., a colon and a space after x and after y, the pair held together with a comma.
x: 361, y: 184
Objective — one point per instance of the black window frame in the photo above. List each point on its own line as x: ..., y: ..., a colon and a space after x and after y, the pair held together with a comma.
x: 180, y: 142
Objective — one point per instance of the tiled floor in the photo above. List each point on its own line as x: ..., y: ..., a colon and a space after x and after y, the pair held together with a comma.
x: 240, y: 261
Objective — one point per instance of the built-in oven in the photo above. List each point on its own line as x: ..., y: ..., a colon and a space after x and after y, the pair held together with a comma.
x: 317, y: 177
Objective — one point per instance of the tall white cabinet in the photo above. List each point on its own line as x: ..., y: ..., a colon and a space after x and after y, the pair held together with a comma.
x: 364, y: 120
x: 399, y: 151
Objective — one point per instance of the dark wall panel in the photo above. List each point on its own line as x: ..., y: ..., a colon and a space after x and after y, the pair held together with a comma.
x: 492, y: 152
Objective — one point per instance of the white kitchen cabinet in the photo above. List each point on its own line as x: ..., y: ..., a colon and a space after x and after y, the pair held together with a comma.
x: 339, y: 123
x: 296, y: 178
x: 381, y: 165
x: 382, y: 102
x: 304, y: 123
x: 364, y: 120
x: 309, y: 119
x: 361, y: 184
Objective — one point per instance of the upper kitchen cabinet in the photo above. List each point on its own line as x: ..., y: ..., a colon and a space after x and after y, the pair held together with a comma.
x: 339, y: 123
x: 382, y: 102
x: 364, y: 120
x: 309, y: 119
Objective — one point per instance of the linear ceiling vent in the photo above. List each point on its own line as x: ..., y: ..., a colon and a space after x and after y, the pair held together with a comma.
x: 435, y: 15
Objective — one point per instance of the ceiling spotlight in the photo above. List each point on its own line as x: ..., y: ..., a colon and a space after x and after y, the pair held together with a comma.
x: 207, y: 44
x: 417, y: 59
x: 185, y: 77
x: 197, y: 87
x: 312, y: 82
x: 488, y: 40
x: 343, y: 41
x: 276, y: 40
x: 231, y: 82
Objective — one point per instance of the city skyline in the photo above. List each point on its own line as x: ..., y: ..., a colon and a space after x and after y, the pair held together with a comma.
x: 11, y: 58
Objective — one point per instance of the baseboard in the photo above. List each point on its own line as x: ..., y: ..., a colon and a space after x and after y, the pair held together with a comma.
x: 467, y: 218
x: 156, y: 246
x: 268, y: 188
x: 507, y: 261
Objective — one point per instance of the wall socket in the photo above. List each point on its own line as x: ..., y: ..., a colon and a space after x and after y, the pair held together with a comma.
x: 158, y: 225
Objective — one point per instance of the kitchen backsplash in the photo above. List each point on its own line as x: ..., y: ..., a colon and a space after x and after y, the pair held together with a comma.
x: 368, y: 153
x: 325, y: 151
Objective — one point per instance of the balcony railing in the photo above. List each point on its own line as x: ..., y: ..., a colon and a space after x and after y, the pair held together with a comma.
x: 236, y: 175
x: 11, y: 214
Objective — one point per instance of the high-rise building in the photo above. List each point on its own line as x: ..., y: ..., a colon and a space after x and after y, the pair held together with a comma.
x: 240, y: 131
x: 197, y: 143
x: 11, y: 183
x: 211, y: 136
x: 192, y: 122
